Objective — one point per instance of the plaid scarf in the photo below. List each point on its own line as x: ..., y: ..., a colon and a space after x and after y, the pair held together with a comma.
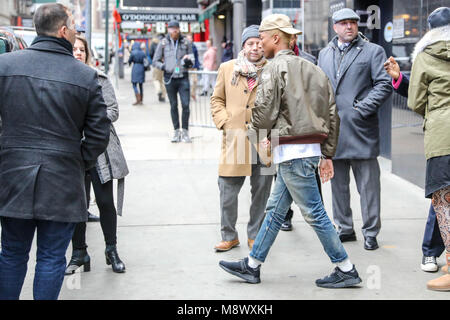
x: 245, y: 68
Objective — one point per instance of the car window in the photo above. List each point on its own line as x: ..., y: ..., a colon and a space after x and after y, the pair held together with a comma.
x: 27, y: 36
x: 3, y: 46
x: 22, y: 45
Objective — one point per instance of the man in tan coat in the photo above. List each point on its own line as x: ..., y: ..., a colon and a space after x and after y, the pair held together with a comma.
x: 231, y: 105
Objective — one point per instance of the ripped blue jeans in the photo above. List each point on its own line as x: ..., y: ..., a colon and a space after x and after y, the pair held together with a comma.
x: 296, y: 181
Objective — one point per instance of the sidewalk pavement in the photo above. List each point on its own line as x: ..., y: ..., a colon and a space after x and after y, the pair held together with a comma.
x: 171, y: 222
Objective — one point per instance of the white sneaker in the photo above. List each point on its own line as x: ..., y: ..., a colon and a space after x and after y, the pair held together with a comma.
x: 429, y: 264
x: 176, y: 136
x: 185, y: 136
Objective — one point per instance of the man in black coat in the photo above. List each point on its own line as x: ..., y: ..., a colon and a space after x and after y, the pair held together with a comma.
x: 54, y: 128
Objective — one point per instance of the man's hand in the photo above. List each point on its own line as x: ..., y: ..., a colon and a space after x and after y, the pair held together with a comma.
x: 265, y: 143
x: 392, y: 68
x: 326, y: 170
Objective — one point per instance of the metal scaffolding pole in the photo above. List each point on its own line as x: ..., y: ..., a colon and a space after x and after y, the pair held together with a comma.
x: 89, y: 22
x: 106, y: 36
x: 238, y: 18
x: 303, y: 25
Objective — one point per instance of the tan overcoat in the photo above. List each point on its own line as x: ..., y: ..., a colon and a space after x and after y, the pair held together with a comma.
x: 231, y: 108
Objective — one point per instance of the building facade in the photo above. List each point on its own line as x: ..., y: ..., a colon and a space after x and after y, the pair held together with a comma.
x: 16, y: 13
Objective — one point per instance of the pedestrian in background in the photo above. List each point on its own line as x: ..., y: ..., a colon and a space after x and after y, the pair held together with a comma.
x: 54, y: 128
x: 109, y: 165
x: 174, y: 56
x: 137, y: 57
x: 355, y: 69
x: 227, y: 47
x: 429, y: 96
x: 209, y: 64
x: 195, y: 67
x: 295, y: 102
x: 157, y: 74
x: 231, y: 107
x: 432, y: 245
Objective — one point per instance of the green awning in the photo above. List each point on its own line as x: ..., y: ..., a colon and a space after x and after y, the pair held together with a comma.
x: 207, y: 13
x: 43, y: 1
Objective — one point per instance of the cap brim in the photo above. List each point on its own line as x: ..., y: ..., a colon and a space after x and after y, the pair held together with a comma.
x: 291, y: 30
x: 351, y: 18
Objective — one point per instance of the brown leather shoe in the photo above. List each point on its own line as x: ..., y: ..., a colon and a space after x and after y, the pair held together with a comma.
x: 447, y: 260
x: 250, y: 243
x: 440, y: 284
x: 226, y: 245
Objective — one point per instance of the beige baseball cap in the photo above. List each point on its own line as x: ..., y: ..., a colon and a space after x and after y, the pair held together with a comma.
x: 278, y: 21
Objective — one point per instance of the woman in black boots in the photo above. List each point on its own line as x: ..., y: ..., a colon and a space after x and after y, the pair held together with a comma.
x: 110, y: 165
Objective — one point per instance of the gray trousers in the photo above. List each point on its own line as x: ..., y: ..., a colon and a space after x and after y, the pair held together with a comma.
x: 229, y: 190
x: 367, y: 177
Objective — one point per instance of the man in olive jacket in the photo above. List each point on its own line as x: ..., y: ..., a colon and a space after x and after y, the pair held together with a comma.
x: 54, y: 128
x: 295, y: 102
x: 355, y: 69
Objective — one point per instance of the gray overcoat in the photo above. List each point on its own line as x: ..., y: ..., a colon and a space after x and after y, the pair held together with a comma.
x: 361, y: 86
x: 112, y: 164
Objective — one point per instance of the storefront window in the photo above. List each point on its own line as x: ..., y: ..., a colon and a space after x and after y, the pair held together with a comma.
x: 410, y: 24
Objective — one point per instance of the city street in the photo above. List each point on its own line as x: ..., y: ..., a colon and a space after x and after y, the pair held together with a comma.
x: 171, y: 222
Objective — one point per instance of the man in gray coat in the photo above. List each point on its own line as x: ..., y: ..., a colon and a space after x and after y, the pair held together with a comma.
x: 355, y: 69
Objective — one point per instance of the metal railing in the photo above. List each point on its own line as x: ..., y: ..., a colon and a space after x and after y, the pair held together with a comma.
x: 402, y: 116
x: 200, y: 116
x: 200, y: 98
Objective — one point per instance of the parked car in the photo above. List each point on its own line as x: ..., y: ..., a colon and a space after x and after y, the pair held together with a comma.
x: 98, y: 47
x: 11, y: 41
x: 95, y: 58
x: 27, y: 34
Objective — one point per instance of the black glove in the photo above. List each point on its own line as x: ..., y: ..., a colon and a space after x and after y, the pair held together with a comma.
x: 187, y: 63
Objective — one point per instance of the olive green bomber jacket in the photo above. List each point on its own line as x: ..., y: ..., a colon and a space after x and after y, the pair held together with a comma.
x: 295, y: 102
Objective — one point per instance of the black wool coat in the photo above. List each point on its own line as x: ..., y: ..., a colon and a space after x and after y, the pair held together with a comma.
x: 54, y: 128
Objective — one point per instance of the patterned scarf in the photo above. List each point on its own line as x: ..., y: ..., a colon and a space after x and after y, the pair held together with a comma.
x: 245, y: 68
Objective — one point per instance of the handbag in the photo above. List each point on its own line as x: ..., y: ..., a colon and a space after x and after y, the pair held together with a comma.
x: 146, y: 64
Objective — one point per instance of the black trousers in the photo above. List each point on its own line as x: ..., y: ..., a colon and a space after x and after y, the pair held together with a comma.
x: 181, y: 87
x: 108, y: 216
x: 432, y: 244
x: 290, y: 213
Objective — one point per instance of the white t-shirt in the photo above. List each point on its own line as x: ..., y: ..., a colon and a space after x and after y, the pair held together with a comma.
x: 286, y: 152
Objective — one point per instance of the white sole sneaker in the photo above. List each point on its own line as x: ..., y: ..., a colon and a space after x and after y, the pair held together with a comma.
x: 429, y: 267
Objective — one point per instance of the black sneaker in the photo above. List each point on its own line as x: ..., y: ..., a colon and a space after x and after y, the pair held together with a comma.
x: 347, y: 237
x: 242, y: 270
x: 340, y: 279
x: 93, y: 218
x: 286, y: 225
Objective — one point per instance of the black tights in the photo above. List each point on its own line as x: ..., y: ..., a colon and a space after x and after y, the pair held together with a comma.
x: 108, y: 217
